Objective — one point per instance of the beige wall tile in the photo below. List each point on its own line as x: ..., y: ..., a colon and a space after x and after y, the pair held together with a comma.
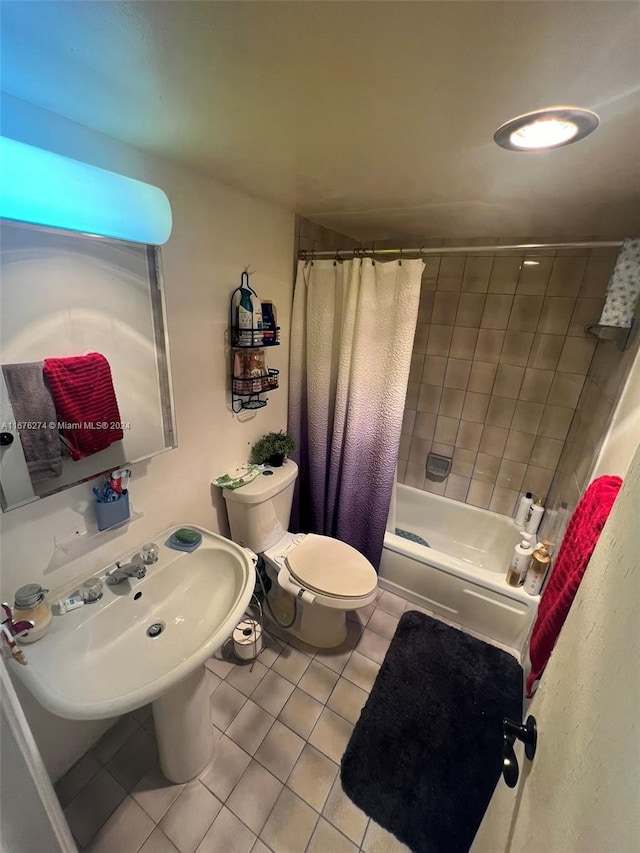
x: 457, y: 487
x: 442, y: 449
x: 439, y: 339
x: 479, y: 494
x: 546, y: 452
x: 419, y: 448
x: 511, y: 474
x: 475, y: 407
x: 413, y: 389
x: 404, y: 447
x: 457, y: 375
x: 508, y: 381
x: 504, y: 500
x: 415, y: 370
x: 434, y: 369
x: 446, y: 429
x: 489, y: 345
x: 493, y: 440
x: 424, y: 426
x: 421, y: 337
x: 429, y: 398
x: 598, y: 272
x: 496, y: 311
x: 518, y: 446
x: 537, y: 480
x: 451, y: 403
x: 504, y: 274
x: 463, y: 461
x: 425, y: 308
x: 414, y: 474
x: 451, y: 272
x: 476, y: 274
x: 486, y: 468
x: 402, y: 470
x: 566, y: 276
x: 481, y: 377
x: 468, y: 436
x: 545, y: 351
x: 525, y: 313
x: 435, y: 487
x: 555, y: 422
x: 445, y: 308
x: 576, y: 355
x: 534, y: 278
x: 527, y: 416
x: 463, y: 342
x: 516, y: 348
x: 500, y: 412
x: 536, y: 384
x: 430, y: 272
x: 470, y: 308
x: 565, y: 389
x: 408, y: 421
x: 586, y: 312
x: 556, y: 315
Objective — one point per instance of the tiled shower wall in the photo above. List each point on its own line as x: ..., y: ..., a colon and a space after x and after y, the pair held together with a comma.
x: 499, y: 362
x: 602, y: 389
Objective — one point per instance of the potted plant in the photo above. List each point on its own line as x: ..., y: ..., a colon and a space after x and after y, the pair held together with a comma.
x: 272, y: 448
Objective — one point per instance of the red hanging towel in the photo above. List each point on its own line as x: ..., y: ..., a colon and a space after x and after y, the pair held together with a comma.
x: 579, y: 541
x: 85, y: 400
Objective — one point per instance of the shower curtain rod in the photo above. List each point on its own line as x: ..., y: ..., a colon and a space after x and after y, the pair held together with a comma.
x: 361, y: 252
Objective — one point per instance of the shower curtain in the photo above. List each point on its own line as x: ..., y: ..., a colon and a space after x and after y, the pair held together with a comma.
x: 351, y: 339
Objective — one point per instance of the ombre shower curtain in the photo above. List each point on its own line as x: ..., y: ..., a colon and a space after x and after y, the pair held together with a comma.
x: 351, y: 340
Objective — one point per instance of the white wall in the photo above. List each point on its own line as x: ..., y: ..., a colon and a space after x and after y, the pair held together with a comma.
x: 580, y: 793
x: 217, y: 232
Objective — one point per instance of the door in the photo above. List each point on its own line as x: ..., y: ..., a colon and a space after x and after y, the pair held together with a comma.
x: 32, y: 820
x: 581, y: 793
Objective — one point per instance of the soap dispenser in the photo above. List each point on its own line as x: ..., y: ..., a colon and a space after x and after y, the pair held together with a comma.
x: 31, y: 605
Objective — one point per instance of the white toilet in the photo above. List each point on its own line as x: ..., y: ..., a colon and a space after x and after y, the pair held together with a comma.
x: 324, y: 576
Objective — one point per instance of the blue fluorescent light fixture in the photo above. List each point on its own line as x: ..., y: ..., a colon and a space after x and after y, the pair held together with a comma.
x: 43, y: 188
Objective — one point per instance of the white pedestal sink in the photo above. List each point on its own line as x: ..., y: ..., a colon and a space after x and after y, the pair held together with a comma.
x: 102, y: 661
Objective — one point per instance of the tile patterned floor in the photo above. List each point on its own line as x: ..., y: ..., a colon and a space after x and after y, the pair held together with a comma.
x: 272, y: 785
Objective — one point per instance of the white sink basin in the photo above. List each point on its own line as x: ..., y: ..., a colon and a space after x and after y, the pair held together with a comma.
x: 98, y: 661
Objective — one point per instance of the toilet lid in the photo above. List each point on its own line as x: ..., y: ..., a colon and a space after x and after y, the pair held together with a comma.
x: 328, y: 566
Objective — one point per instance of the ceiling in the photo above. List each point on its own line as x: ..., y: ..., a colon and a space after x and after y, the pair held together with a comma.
x: 372, y: 118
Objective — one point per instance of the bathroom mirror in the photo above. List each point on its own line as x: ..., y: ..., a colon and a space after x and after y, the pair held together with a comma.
x: 65, y: 294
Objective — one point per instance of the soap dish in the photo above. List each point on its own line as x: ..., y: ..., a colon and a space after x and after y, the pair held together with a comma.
x: 177, y: 545
x: 438, y: 467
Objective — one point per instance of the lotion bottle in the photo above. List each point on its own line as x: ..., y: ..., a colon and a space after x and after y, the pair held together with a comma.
x: 535, y: 517
x: 519, y: 563
x: 540, y: 561
x: 522, y: 512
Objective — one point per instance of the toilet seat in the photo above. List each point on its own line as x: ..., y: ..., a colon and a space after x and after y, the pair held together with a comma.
x: 332, y: 568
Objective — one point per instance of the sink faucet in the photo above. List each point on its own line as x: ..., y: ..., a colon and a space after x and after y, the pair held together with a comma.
x: 134, y: 569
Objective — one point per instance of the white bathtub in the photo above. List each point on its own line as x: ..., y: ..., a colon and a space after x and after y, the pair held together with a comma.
x: 461, y: 576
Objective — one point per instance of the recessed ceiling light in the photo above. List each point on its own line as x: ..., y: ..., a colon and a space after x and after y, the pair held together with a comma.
x: 531, y: 263
x: 548, y: 128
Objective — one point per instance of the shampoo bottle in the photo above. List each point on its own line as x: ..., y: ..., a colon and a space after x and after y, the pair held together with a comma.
x: 524, y: 505
x: 535, y: 517
x: 519, y: 563
x: 243, y: 313
x: 538, y: 568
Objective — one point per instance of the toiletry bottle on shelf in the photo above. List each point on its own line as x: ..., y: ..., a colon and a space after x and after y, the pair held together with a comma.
x: 535, y: 517
x: 538, y: 568
x: 243, y: 313
x: 256, y: 320
x: 522, y: 511
x: 269, y: 323
x: 519, y: 563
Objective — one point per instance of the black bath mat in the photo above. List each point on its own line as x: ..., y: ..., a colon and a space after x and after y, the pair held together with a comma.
x: 426, y: 753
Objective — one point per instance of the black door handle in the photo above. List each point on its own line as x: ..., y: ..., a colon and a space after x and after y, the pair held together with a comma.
x: 528, y: 734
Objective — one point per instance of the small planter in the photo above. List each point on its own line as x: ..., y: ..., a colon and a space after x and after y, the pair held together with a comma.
x: 276, y: 460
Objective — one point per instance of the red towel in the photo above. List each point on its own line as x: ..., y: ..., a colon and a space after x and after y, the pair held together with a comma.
x: 579, y: 541
x: 83, y: 394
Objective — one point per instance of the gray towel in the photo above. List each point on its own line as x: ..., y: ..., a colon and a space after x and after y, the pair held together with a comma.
x: 32, y: 403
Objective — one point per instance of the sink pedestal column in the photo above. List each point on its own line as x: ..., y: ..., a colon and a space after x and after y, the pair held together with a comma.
x: 184, y: 731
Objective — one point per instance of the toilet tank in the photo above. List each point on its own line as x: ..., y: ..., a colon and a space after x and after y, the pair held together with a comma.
x: 259, y: 512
